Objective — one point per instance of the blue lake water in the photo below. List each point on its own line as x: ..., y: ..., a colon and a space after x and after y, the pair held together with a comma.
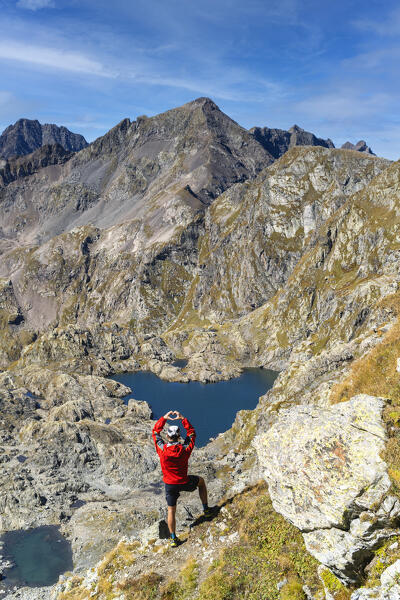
x: 40, y: 555
x: 210, y: 407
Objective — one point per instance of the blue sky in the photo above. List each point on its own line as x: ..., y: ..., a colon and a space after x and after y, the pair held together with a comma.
x: 330, y: 67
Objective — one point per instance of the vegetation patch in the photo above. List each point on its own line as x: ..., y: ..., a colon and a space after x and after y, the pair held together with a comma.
x: 335, y: 587
x: 376, y: 374
x: 385, y: 556
x: 270, y: 551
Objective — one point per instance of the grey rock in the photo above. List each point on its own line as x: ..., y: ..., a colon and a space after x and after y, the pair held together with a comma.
x: 29, y: 164
x: 157, y: 531
x: 325, y: 475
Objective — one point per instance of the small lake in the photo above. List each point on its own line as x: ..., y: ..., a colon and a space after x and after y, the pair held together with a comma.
x: 210, y: 407
x: 39, y: 556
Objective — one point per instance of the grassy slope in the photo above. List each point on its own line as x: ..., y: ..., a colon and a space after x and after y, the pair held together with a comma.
x: 268, y: 550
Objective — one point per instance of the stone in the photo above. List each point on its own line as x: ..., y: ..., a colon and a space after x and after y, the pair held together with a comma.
x: 325, y: 474
x: 158, y: 531
x: 389, y: 588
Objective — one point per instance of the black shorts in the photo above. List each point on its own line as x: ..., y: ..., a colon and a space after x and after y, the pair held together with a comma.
x: 172, y: 490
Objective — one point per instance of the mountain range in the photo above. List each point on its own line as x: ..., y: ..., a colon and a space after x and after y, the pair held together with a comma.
x: 185, y: 236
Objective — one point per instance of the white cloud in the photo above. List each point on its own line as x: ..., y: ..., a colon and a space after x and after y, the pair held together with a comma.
x: 35, y: 4
x: 52, y: 58
x: 343, y: 104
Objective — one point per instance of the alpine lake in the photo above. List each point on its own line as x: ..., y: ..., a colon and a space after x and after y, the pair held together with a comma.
x: 210, y: 407
x: 36, y: 557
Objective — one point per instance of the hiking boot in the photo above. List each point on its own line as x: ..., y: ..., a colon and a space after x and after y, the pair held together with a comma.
x: 173, y: 542
x: 208, y: 512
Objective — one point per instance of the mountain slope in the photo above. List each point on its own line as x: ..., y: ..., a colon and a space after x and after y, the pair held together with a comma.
x: 155, y: 169
x: 176, y: 238
x: 255, y: 233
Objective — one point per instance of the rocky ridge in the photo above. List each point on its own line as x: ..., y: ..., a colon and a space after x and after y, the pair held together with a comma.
x: 360, y: 146
x: 291, y: 265
x: 26, y: 136
x: 279, y: 141
x: 29, y: 164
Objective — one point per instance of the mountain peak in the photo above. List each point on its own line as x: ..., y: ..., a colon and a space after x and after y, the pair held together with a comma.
x: 278, y: 141
x: 204, y: 101
x: 360, y: 146
x: 295, y: 128
x: 27, y: 135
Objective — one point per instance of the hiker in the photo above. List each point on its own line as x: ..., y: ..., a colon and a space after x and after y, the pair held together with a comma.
x: 174, y: 457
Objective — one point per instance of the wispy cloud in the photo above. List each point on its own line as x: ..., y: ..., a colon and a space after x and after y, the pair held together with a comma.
x: 35, y: 4
x: 389, y: 25
x: 343, y: 105
x: 52, y: 58
x: 220, y: 86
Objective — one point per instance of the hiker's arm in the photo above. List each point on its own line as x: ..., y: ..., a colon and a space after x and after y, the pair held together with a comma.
x: 157, y: 429
x: 190, y: 434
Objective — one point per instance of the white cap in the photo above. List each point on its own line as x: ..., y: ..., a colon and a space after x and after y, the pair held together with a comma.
x: 173, y: 431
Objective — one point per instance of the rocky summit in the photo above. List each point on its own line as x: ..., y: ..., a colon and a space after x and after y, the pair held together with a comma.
x: 360, y: 146
x: 26, y: 136
x: 188, y: 246
x: 278, y: 141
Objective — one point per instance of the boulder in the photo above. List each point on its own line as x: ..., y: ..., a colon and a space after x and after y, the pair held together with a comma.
x: 325, y: 475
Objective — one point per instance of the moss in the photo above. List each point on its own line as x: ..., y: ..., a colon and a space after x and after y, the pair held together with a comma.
x: 334, y: 586
x: 385, y: 556
x: 293, y: 590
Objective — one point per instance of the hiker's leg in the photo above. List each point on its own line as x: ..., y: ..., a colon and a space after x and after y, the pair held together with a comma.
x: 171, y: 518
x: 203, y: 491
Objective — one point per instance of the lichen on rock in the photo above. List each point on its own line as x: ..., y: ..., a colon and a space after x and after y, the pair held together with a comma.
x: 326, y: 475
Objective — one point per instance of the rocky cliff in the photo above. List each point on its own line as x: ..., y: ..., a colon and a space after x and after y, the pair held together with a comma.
x: 29, y: 164
x: 180, y: 236
x: 279, y: 141
x: 26, y: 136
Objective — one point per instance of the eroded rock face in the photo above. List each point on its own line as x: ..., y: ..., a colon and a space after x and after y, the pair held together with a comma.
x: 325, y: 475
x: 45, y: 156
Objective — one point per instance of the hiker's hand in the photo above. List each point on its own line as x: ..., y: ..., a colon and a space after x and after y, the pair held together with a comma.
x: 168, y: 414
x: 179, y: 415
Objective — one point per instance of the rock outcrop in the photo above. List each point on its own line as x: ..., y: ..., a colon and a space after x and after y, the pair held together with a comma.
x: 26, y: 136
x: 388, y: 590
x: 29, y: 164
x: 325, y: 474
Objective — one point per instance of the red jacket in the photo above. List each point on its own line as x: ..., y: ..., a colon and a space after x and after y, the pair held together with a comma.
x: 174, y: 457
